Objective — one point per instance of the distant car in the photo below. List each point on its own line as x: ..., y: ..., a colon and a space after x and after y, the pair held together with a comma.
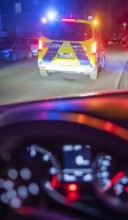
x: 110, y: 42
x: 125, y: 41
x: 114, y: 41
x: 33, y: 41
x: 106, y: 42
x: 14, y: 48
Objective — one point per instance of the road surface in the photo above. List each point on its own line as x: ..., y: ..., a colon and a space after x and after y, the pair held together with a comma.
x: 21, y: 81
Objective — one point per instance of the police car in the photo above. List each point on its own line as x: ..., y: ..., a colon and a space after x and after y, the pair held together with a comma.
x: 72, y: 46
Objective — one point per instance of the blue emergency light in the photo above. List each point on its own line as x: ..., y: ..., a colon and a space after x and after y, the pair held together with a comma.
x: 51, y: 15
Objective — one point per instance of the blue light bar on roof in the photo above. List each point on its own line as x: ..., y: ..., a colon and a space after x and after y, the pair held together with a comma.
x: 43, y: 20
x: 51, y: 15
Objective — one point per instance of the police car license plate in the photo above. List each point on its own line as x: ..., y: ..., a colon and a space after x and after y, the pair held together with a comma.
x: 66, y: 56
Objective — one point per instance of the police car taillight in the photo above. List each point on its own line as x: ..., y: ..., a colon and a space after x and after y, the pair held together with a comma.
x: 46, y: 44
x: 68, y: 19
x: 40, y: 46
x: 94, y: 48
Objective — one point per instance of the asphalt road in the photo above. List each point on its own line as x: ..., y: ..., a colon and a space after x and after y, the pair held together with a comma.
x: 21, y: 81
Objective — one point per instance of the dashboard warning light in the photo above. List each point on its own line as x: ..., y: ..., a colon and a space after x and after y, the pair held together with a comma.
x: 126, y: 189
x: 72, y: 191
x: 54, y: 182
x: 73, y: 196
x: 72, y: 187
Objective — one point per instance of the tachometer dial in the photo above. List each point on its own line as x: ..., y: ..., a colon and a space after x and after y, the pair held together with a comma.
x: 22, y: 177
x: 111, y: 182
x: 50, y: 166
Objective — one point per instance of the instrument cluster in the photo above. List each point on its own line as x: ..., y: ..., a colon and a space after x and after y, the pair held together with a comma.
x: 69, y: 174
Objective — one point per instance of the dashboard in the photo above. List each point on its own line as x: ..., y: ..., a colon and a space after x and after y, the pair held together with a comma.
x: 65, y: 159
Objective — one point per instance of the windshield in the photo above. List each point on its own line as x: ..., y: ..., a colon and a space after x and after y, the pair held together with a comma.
x: 79, y: 48
x: 71, y: 31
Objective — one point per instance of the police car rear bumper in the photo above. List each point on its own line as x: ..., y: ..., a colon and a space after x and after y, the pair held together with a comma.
x: 71, y: 69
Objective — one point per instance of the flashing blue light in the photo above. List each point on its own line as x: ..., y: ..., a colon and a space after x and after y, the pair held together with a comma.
x: 51, y: 15
x: 43, y: 20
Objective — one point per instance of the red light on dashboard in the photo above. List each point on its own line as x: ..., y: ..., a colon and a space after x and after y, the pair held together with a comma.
x: 72, y: 196
x: 68, y: 19
x: 55, y: 182
x: 72, y: 191
x: 72, y: 187
x: 126, y: 189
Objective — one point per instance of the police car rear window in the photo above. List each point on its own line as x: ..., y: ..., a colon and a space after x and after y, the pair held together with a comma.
x: 72, y: 31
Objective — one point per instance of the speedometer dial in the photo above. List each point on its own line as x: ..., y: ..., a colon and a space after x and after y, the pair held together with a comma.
x: 111, y: 182
x: 22, y: 178
x: 50, y: 166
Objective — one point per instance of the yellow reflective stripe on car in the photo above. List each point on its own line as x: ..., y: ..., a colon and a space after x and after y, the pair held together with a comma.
x: 66, y: 48
x: 88, y: 45
x: 80, y: 53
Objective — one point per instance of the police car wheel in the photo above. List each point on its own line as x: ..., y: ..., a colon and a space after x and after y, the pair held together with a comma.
x: 94, y: 74
x: 43, y: 72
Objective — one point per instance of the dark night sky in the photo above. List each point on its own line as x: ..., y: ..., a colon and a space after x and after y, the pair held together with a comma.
x: 111, y: 12
x: 113, y: 7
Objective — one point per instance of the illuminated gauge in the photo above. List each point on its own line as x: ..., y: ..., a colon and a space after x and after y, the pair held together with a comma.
x: 111, y: 182
x: 50, y: 167
x: 22, y: 176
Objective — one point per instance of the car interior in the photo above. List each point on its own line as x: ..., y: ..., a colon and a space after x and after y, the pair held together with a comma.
x: 65, y: 158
